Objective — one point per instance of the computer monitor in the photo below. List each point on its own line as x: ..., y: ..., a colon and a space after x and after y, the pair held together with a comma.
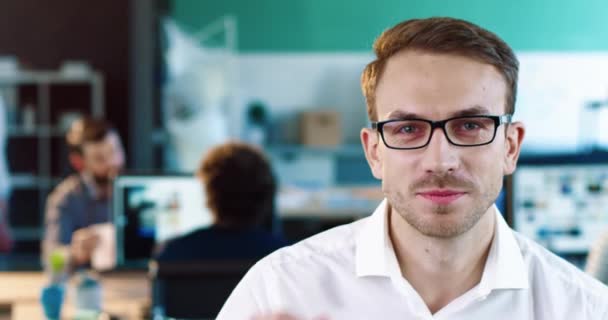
x: 561, y: 206
x: 150, y: 209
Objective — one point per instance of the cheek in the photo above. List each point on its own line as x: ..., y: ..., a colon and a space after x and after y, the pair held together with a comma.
x: 119, y: 159
x: 97, y: 166
x: 398, y: 170
x: 486, y: 169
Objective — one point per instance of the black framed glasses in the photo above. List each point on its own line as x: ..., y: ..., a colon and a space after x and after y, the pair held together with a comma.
x: 465, y: 131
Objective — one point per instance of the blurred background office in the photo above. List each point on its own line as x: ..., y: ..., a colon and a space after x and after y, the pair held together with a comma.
x: 177, y: 77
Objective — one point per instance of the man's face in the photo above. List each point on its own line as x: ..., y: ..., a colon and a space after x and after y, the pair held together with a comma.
x: 441, y: 190
x: 104, y: 159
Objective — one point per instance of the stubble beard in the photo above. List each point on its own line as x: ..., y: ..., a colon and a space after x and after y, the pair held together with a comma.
x: 450, y: 228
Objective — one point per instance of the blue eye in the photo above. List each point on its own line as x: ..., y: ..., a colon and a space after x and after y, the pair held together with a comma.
x: 408, y: 129
x: 470, y: 125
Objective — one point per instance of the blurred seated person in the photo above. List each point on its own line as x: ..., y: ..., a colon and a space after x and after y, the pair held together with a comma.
x: 84, y: 198
x: 240, y: 190
x: 6, y: 241
x: 597, y: 261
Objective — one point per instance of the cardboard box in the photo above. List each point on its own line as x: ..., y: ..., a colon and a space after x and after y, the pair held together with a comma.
x: 320, y: 128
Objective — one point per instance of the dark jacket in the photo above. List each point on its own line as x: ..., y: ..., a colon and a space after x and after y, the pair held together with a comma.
x: 218, y: 243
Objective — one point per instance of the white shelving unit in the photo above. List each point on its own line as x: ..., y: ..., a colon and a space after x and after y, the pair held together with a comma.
x: 41, y: 177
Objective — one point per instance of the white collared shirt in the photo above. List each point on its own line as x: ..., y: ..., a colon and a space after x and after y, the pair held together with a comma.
x: 351, y: 272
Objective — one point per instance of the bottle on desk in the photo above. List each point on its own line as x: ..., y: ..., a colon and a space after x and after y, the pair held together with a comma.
x: 52, y: 295
x: 88, y: 295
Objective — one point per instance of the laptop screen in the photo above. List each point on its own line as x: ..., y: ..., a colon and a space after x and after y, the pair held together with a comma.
x: 154, y: 208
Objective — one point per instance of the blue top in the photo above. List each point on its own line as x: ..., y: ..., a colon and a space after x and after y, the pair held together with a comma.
x: 73, y: 204
x: 220, y: 243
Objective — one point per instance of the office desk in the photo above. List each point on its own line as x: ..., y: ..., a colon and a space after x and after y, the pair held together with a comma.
x: 334, y: 203
x: 125, y: 295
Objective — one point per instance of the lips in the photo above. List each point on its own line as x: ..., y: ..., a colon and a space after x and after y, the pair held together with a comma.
x: 441, y: 196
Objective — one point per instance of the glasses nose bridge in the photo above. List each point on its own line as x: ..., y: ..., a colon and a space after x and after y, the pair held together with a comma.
x: 438, y: 125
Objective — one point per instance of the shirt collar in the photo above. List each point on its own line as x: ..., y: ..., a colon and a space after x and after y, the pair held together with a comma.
x: 504, y: 268
x: 373, y: 245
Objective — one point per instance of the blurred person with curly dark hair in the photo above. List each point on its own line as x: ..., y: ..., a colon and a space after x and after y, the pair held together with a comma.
x: 240, y: 189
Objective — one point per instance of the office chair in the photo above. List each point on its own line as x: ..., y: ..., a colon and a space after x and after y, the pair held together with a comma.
x: 196, y: 289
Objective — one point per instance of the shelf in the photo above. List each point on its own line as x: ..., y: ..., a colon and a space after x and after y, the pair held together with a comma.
x: 25, y: 234
x: 39, y: 131
x: 20, y: 181
x: 47, y: 77
x: 346, y: 150
x: 36, y: 147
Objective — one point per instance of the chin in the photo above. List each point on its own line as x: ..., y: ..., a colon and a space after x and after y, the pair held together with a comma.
x: 451, y: 209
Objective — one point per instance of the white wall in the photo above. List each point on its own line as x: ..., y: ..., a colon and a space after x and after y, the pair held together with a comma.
x: 553, y: 89
x: 295, y: 82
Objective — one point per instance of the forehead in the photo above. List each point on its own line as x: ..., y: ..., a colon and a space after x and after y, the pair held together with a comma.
x: 110, y: 142
x: 437, y: 86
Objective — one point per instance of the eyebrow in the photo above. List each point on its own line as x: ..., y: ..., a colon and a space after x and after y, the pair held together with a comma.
x: 472, y: 111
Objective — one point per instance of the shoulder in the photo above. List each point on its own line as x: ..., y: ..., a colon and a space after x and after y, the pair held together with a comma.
x: 70, y: 186
x: 267, y: 239
x: 314, y: 260
x: 336, y: 244
x: 186, y: 239
x: 181, y: 247
x: 546, y: 270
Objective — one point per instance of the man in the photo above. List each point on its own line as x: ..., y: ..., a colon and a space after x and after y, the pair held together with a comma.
x: 240, y: 189
x: 440, y: 96
x: 83, y: 199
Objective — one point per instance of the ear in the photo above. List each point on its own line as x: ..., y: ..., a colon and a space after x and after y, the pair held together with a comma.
x: 76, y: 161
x: 370, y: 140
x: 514, y: 137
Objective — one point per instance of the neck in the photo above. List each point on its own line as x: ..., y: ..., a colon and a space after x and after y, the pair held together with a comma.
x: 101, y: 191
x: 227, y: 224
x: 441, y: 269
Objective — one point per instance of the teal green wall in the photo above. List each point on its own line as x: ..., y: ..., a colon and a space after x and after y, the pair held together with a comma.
x: 342, y: 25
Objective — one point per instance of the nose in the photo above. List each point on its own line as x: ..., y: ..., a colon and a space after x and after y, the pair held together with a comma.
x: 440, y: 156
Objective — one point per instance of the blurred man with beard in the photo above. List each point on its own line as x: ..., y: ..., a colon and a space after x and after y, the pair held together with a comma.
x: 83, y: 199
